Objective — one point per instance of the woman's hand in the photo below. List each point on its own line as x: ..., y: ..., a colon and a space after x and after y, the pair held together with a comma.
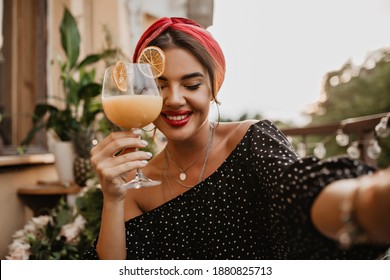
x: 369, y: 200
x: 373, y: 205
x: 113, y: 159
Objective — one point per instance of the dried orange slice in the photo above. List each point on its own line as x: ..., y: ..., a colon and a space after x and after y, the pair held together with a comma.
x: 119, y: 75
x: 155, y: 57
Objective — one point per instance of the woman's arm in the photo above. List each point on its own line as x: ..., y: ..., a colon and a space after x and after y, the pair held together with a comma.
x: 111, y: 244
x: 364, y: 201
x: 112, y: 170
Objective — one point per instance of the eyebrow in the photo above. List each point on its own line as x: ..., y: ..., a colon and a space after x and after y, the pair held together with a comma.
x: 185, y: 77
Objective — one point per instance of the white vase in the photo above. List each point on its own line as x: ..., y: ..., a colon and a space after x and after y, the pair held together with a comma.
x: 64, y: 158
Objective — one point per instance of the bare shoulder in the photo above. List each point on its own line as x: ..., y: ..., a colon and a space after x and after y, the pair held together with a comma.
x: 233, y: 132
x: 238, y: 129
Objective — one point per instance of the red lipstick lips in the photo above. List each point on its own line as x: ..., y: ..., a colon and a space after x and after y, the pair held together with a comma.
x: 176, y: 118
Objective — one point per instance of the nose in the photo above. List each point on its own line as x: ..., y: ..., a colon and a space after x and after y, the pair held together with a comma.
x: 173, y: 97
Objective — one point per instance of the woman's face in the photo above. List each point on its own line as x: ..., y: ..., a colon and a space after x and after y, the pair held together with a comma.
x: 186, y: 93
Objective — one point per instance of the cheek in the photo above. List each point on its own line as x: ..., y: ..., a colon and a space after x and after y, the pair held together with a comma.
x: 201, y: 98
x: 158, y: 121
x: 199, y: 102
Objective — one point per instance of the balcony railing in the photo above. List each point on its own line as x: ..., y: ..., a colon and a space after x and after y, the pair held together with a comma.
x: 367, y: 129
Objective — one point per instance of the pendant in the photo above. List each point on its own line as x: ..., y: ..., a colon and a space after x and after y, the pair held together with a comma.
x: 182, y: 176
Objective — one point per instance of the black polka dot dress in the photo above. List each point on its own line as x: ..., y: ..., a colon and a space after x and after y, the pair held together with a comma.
x: 255, y: 206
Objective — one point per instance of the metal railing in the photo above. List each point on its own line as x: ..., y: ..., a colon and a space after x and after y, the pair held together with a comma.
x: 367, y: 129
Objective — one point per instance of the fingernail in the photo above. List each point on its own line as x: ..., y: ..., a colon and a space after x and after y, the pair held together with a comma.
x: 144, y: 142
x: 137, y: 131
x: 149, y: 154
x: 144, y: 162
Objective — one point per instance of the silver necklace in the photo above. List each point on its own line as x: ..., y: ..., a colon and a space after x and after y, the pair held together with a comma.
x: 183, y: 174
x: 209, y: 144
x: 169, y: 183
x: 201, y: 175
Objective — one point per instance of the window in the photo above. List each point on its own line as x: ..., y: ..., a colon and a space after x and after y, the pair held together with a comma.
x: 22, y: 71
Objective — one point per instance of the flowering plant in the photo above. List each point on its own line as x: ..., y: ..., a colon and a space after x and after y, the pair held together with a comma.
x: 62, y: 234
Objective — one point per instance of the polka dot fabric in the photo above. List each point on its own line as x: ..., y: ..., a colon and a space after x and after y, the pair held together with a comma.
x: 254, y: 206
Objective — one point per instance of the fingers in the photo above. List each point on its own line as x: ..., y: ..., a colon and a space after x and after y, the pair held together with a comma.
x: 113, y: 172
x: 110, y: 172
x: 384, y: 175
x: 115, y: 136
x: 115, y: 157
x: 117, y: 143
x: 118, y: 150
x: 380, y: 178
x: 138, y: 158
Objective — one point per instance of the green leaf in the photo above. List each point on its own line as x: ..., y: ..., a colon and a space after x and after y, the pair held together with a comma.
x: 72, y: 97
x: 29, y: 137
x: 61, y: 122
x: 90, y: 59
x: 70, y: 38
x: 90, y: 91
x: 37, y: 119
x: 86, y: 77
x: 41, y: 110
x: 93, y: 58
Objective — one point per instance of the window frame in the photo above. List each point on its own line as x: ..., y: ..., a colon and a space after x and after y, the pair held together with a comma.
x: 23, y: 75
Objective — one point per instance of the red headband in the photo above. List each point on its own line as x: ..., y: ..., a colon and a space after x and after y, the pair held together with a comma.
x: 191, y: 28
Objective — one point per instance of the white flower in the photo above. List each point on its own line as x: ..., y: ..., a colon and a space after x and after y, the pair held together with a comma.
x: 35, y: 224
x: 20, y: 247
x: 30, y: 228
x: 71, y: 231
x: 91, y: 184
x: 18, y: 250
x: 41, y: 221
x: 19, y: 234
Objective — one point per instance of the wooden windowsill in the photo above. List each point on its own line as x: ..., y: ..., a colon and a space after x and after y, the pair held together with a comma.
x: 49, y: 188
x: 43, y: 196
x: 12, y: 160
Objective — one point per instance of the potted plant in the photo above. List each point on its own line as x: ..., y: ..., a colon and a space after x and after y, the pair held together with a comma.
x: 75, y: 118
x: 64, y: 233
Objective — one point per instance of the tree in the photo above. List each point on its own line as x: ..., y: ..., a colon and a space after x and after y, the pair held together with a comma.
x: 355, y: 91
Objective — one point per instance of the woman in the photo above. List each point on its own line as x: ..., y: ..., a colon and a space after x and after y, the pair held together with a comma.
x: 228, y: 190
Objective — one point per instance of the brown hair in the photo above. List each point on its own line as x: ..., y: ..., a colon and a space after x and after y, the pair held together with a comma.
x: 175, y: 38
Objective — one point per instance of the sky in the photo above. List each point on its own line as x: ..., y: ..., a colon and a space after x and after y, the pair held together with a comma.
x: 278, y: 51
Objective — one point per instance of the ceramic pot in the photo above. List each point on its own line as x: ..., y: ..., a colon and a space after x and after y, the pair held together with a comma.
x: 64, y: 158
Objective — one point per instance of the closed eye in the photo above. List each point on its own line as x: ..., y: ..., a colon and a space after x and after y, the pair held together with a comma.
x: 193, y: 87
